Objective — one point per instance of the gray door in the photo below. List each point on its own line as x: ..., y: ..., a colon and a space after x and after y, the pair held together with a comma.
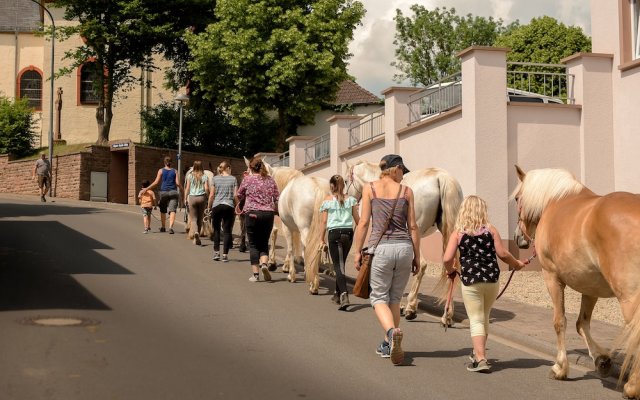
x: 98, y: 186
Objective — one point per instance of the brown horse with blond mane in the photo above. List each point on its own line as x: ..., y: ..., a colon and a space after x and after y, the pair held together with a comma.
x: 590, y: 243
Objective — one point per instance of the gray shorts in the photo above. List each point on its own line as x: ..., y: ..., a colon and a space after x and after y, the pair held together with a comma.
x: 390, y: 272
x: 168, y: 201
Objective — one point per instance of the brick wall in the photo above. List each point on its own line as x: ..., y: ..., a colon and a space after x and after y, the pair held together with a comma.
x: 72, y: 172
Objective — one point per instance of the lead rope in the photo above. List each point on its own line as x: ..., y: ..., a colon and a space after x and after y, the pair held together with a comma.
x: 514, y: 271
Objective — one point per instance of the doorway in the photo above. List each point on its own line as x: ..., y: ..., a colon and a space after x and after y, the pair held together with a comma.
x: 119, y: 177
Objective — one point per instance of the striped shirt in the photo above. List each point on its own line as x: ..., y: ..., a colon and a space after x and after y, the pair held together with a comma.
x: 398, y: 229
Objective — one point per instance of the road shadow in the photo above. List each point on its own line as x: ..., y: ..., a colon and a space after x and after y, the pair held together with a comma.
x: 518, y: 363
x: 14, y: 210
x: 37, y: 264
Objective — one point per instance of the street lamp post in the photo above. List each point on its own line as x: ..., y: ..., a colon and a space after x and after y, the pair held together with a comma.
x: 53, y: 40
x: 182, y: 99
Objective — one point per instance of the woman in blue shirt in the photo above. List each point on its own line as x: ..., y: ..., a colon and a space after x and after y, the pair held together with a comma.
x: 339, y: 212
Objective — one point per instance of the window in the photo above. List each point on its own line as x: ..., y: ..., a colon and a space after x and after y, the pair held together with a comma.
x: 30, y: 87
x: 635, y: 29
x: 88, y: 77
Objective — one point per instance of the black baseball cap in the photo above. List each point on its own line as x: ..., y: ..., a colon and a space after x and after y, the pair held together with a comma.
x: 394, y: 160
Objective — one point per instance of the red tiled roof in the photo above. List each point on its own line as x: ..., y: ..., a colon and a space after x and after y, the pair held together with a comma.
x: 352, y: 93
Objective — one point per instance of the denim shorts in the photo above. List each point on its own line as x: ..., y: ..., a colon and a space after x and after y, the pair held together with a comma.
x: 146, y: 211
x: 390, y: 272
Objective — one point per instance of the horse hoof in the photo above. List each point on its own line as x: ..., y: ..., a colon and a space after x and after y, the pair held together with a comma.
x: 313, y: 292
x: 272, y: 267
x: 553, y: 375
x: 242, y: 249
x: 603, y: 366
x: 285, y: 270
x: 410, y: 315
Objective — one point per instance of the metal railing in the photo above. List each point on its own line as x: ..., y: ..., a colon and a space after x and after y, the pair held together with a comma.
x: 317, y: 149
x: 281, y: 161
x: 549, y: 82
x: 367, y: 128
x: 436, y: 98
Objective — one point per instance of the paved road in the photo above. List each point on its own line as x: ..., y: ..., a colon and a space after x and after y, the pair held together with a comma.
x: 175, y: 325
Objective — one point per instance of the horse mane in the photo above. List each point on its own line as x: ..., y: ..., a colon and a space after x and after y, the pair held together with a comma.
x: 284, y: 175
x: 542, y: 186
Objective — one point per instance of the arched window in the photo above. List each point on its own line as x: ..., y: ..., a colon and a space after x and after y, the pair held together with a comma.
x: 30, y: 86
x: 87, y: 81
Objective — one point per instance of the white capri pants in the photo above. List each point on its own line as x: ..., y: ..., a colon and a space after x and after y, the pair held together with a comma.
x: 390, y: 272
x: 478, y: 299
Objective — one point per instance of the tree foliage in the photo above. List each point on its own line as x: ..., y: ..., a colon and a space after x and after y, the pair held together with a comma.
x: 429, y: 40
x: 544, y: 40
x: 120, y: 35
x: 205, y: 129
x: 16, y: 127
x: 287, y: 56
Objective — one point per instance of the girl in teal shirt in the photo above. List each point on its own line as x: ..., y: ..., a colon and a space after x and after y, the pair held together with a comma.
x: 339, y: 212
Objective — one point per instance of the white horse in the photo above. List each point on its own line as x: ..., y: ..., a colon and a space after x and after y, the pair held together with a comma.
x: 437, y: 199
x: 298, y: 207
x: 207, y: 228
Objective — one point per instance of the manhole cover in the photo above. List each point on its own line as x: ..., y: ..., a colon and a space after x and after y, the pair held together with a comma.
x: 59, y: 321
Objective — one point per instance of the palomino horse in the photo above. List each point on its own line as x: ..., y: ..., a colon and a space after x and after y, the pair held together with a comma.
x: 437, y: 200
x: 590, y: 243
x: 206, y: 230
x: 299, y: 207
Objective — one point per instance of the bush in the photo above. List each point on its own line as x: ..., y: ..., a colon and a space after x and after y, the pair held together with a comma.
x: 16, y: 127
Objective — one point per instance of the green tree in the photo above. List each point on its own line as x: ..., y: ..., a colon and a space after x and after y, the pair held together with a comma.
x: 543, y: 40
x: 205, y: 128
x: 16, y: 127
x: 287, y: 56
x: 120, y: 35
x: 429, y: 40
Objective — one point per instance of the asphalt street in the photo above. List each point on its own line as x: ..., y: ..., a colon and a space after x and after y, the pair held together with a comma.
x: 164, y: 321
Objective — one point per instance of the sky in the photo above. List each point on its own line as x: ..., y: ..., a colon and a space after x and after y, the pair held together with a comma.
x: 373, y: 49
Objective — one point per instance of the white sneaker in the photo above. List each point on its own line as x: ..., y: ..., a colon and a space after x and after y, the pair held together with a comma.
x: 225, y: 258
x: 254, y: 279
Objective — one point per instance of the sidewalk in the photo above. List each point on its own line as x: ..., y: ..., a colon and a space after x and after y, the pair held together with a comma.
x: 523, y: 324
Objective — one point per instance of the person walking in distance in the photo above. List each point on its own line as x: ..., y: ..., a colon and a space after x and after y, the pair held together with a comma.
x: 221, y: 203
x: 260, y: 194
x: 479, y: 243
x: 196, y: 193
x: 42, y: 171
x: 390, y: 206
x: 147, y: 201
x: 339, y: 212
x: 167, y: 178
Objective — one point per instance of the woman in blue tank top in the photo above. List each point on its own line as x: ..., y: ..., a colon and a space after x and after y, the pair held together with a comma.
x: 167, y: 178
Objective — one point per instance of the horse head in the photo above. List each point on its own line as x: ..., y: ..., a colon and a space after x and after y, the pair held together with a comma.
x: 360, y: 174
x: 520, y: 235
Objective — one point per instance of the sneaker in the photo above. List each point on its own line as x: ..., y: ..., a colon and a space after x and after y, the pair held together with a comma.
x: 335, y: 298
x: 265, y: 272
x: 162, y: 229
x: 42, y: 199
x: 395, y: 339
x: 344, y: 301
x: 225, y: 258
x: 254, y: 279
x: 196, y: 240
x: 216, y: 256
x: 171, y: 231
x: 472, y: 357
x: 383, y: 349
x: 479, y: 366
x: 146, y: 230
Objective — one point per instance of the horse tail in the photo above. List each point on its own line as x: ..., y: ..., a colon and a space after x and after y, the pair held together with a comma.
x: 450, y: 200
x: 312, y: 253
x: 630, y: 341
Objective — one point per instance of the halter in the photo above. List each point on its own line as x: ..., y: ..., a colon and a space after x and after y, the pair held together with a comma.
x: 352, y: 183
